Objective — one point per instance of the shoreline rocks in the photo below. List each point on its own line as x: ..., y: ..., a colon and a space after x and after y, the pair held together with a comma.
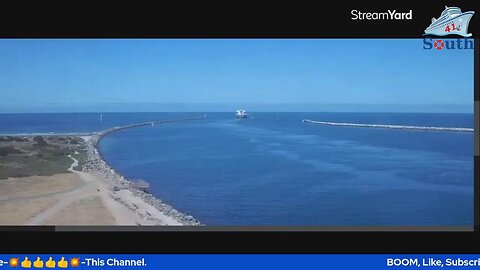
x: 96, y: 164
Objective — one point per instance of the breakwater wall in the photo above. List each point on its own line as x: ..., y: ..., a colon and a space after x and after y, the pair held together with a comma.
x: 447, y: 129
x: 97, y: 163
x: 104, y: 133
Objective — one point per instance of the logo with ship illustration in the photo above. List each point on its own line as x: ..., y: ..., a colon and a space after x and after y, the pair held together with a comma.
x: 452, y: 21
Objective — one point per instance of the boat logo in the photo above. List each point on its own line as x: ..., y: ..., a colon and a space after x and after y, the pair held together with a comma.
x: 452, y: 21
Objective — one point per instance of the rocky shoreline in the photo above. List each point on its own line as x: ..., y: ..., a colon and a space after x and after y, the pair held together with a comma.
x: 96, y: 164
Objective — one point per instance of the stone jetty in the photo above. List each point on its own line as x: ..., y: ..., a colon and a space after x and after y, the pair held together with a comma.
x: 449, y: 129
x: 96, y: 164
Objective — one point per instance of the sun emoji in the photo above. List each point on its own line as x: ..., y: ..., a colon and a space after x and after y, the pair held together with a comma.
x: 75, y: 262
x: 13, y: 262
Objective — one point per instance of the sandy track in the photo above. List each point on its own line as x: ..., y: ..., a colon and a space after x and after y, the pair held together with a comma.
x: 94, y: 202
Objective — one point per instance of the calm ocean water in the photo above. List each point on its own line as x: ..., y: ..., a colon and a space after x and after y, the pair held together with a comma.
x: 275, y: 170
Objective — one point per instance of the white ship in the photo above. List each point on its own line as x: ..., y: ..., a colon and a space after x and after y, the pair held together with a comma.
x: 452, y: 21
x: 241, y: 114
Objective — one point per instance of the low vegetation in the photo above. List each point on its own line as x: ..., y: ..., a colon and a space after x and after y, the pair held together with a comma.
x: 39, y: 141
x: 9, y: 150
x: 81, y: 156
x: 13, y: 139
x: 39, y: 155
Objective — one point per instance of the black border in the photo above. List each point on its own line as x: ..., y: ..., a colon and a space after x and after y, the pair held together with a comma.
x: 330, y: 19
x: 241, y: 242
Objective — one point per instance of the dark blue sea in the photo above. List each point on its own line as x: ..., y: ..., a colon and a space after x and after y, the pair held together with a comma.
x: 272, y: 169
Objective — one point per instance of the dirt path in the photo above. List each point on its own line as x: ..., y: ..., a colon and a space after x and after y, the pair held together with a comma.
x: 91, y: 187
x: 123, y: 206
x: 65, y: 198
x: 74, y: 164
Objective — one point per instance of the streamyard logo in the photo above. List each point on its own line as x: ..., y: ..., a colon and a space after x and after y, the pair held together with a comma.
x: 452, y: 21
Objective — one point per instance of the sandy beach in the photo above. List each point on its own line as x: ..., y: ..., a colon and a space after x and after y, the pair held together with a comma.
x: 91, y: 194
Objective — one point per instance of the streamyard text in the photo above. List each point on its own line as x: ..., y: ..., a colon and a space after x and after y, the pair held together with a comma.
x: 388, y: 15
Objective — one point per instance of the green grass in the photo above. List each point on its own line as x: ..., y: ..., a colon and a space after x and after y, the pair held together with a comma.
x: 23, y: 166
x: 48, y: 157
x: 82, y: 159
x: 9, y: 150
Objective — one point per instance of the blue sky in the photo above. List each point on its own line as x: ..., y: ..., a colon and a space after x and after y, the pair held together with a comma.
x: 83, y: 74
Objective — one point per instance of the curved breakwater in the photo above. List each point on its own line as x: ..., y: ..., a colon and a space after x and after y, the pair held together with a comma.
x: 448, y: 129
x: 103, y: 133
x: 96, y: 163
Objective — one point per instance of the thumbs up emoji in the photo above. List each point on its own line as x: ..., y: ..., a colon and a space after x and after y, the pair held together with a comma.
x: 26, y: 263
x: 62, y: 263
x: 50, y: 263
x: 38, y: 263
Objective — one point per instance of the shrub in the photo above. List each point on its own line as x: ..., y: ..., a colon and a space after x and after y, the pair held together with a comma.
x: 39, y: 141
x: 6, y: 150
x: 12, y: 139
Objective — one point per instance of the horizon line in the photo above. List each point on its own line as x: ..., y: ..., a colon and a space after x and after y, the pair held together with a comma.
x: 205, y: 112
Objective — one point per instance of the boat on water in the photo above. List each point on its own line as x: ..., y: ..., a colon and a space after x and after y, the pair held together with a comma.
x: 241, y: 114
x: 452, y: 21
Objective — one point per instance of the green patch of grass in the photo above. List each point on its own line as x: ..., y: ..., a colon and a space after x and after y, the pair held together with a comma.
x: 9, y: 150
x: 12, y: 172
x: 12, y: 139
x: 39, y: 141
x: 28, y: 166
x: 51, y: 166
x: 82, y: 159
x: 74, y: 141
x: 40, y: 156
